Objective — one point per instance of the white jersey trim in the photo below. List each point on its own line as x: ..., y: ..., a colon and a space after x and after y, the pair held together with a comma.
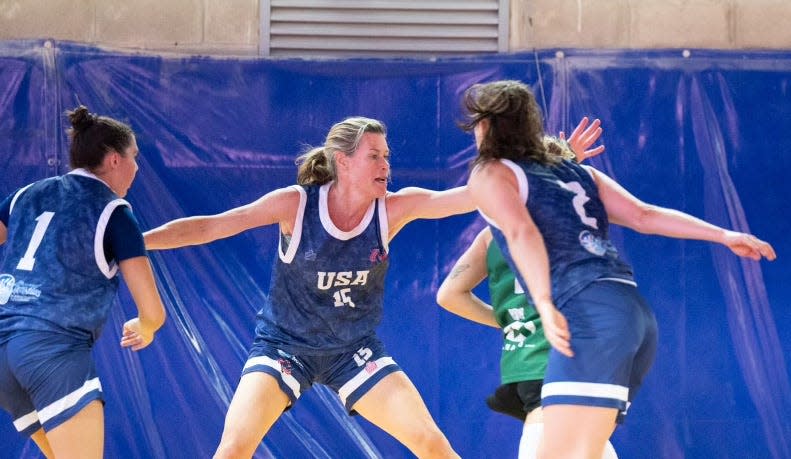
x: 86, y: 173
x: 58, y: 407
x: 296, y: 233
x: 359, y: 379
x: 290, y: 381
x: 584, y: 389
x: 16, y: 196
x: 617, y: 279
x: 23, y: 422
x: 384, y: 223
x: 329, y: 226
x: 109, y: 270
x: 521, y: 181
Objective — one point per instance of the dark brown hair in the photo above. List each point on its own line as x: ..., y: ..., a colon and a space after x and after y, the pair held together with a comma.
x: 93, y: 136
x: 516, y: 127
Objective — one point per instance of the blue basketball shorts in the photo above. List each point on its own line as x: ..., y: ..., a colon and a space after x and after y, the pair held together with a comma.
x: 45, y: 379
x: 351, y: 374
x: 614, y: 339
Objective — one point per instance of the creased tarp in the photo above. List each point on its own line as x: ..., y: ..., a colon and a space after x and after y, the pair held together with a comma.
x: 707, y: 135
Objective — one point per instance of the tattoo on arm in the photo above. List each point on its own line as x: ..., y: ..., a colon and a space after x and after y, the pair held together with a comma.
x: 458, y: 270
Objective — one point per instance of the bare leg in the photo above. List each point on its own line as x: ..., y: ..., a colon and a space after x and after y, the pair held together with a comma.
x: 395, y: 406
x: 256, y: 405
x: 41, y: 441
x: 575, y: 431
x: 82, y: 436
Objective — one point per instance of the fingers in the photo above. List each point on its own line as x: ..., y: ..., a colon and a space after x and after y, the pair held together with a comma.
x: 133, y: 339
x: 759, y: 248
x: 580, y: 128
x: 558, y: 335
x: 591, y: 134
x: 764, y: 248
x: 561, y: 342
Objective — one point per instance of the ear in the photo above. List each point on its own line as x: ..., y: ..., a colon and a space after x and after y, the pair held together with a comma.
x: 341, y: 160
x: 111, y: 159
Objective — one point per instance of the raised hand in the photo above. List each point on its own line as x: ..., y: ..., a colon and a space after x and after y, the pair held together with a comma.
x: 583, y: 137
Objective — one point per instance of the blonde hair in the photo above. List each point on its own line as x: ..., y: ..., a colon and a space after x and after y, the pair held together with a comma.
x: 317, y: 164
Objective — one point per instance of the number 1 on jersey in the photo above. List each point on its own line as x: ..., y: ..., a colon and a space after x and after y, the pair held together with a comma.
x: 28, y: 260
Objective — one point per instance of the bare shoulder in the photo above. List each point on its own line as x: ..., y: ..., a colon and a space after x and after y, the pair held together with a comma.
x: 490, y: 172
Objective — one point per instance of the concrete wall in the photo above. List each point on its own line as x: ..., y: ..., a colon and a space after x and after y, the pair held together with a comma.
x: 233, y: 26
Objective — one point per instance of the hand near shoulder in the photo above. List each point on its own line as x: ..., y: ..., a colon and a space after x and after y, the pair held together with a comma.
x: 748, y: 246
x: 134, y: 335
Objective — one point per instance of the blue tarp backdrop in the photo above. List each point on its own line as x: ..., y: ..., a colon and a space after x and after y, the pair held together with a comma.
x: 708, y: 134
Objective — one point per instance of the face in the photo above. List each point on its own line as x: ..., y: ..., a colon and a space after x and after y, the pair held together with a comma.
x: 126, y: 169
x: 369, y: 166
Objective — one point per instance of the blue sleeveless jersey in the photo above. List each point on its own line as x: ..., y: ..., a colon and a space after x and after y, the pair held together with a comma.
x: 54, y: 275
x: 327, y: 285
x: 564, y: 203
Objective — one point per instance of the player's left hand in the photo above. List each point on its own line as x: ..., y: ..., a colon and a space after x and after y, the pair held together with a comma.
x: 132, y: 335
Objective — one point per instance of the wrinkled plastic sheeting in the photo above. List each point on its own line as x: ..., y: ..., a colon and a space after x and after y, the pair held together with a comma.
x: 706, y: 134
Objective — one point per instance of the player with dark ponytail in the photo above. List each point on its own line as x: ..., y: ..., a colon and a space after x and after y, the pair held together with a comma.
x: 65, y: 238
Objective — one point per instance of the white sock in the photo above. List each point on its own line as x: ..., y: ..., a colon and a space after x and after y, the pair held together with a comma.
x: 531, y: 436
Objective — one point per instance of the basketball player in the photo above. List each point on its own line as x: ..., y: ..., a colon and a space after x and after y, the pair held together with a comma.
x: 550, y: 217
x: 65, y: 239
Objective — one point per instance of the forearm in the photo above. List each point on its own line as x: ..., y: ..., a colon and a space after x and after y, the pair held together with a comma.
x: 528, y: 244
x: 180, y: 233
x: 676, y: 224
x: 468, y: 306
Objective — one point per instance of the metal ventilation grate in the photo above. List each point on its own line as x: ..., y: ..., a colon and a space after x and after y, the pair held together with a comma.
x: 387, y: 28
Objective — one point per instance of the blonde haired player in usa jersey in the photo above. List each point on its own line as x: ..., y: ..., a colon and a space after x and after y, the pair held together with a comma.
x: 327, y: 289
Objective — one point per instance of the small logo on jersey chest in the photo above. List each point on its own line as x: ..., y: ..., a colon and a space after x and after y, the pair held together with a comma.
x: 377, y: 256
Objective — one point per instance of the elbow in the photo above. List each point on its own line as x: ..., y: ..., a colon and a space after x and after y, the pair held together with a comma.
x: 447, y: 297
x: 517, y: 234
x: 642, y: 217
x: 443, y: 296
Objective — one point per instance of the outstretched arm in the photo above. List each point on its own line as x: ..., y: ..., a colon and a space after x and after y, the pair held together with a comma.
x: 455, y: 294
x: 625, y: 209
x: 278, y: 206
x: 412, y: 203
x: 494, y: 190
x: 3, y: 233
x: 139, y: 277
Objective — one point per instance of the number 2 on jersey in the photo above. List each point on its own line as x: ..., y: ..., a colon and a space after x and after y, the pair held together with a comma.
x: 28, y: 260
x: 578, y: 201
